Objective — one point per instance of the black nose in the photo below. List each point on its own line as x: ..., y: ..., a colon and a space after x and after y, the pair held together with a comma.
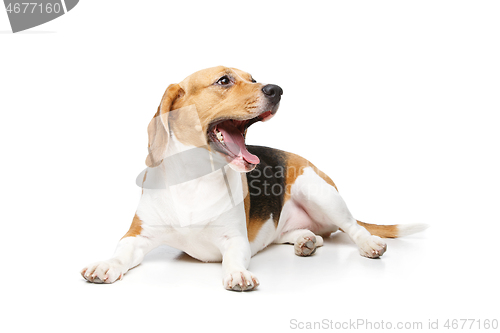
x: 272, y: 92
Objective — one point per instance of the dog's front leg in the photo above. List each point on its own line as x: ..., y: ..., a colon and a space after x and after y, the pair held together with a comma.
x: 128, y: 254
x: 235, y: 261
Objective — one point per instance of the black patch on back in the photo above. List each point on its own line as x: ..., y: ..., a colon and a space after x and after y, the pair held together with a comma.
x: 266, y: 183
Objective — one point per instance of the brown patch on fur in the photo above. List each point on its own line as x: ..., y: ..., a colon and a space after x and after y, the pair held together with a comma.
x: 135, y: 227
x: 384, y: 231
x: 254, y: 228
x: 295, y: 166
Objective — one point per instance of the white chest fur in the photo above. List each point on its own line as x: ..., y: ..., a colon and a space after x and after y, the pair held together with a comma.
x: 192, y: 201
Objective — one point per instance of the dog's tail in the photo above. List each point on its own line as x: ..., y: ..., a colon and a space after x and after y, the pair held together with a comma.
x: 395, y: 230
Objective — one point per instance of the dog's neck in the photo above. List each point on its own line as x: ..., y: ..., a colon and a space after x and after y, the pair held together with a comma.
x: 184, y: 163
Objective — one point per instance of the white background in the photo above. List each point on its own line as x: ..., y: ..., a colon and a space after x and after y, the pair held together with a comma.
x: 397, y: 101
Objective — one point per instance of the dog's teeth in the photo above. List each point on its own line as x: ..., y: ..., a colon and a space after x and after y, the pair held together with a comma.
x: 220, y: 137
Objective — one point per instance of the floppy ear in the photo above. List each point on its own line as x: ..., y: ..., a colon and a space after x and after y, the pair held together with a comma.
x: 158, y: 131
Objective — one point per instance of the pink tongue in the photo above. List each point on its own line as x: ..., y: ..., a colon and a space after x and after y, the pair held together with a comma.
x: 235, y: 142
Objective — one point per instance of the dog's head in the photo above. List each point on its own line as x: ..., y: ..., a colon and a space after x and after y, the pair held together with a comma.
x: 214, y: 108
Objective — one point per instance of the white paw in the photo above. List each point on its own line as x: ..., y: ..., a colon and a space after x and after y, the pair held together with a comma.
x: 306, y: 244
x: 372, y: 247
x: 103, y: 272
x: 240, y: 281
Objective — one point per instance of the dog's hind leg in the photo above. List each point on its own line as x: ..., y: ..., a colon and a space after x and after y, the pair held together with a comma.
x: 326, y: 207
x: 129, y: 253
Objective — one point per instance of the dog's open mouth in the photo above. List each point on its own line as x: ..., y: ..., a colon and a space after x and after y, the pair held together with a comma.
x: 228, y: 137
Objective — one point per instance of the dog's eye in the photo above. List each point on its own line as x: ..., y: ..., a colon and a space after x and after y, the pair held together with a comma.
x: 252, y: 80
x: 224, y: 81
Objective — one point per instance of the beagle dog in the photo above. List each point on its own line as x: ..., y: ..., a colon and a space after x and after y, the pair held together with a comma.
x: 207, y: 193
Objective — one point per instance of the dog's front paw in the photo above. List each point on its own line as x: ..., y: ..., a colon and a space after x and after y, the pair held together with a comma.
x: 103, y: 272
x: 373, y: 247
x: 240, y: 281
